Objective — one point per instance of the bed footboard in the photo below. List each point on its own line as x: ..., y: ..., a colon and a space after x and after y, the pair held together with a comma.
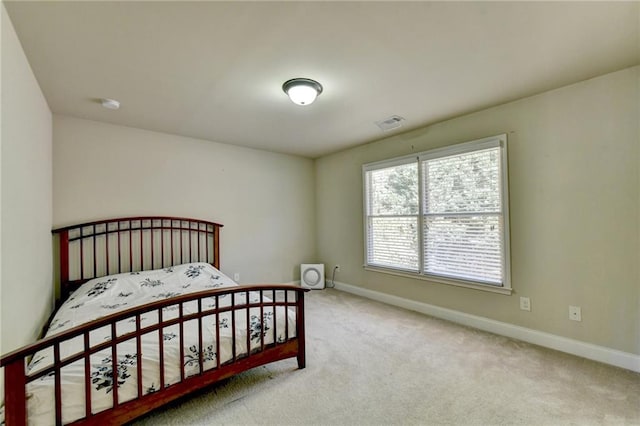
x: 243, y: 310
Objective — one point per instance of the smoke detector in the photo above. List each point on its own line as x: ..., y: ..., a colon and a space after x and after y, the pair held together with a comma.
x: 110, y: 103
x: 391, y: 123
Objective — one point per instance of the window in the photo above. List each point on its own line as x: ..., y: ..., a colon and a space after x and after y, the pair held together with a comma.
x: 392, y: 216
x: 442, y: 214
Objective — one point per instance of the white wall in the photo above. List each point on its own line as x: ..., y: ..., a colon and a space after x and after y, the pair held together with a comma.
x: 264, y: 200
x: 26, y: 289
x: 575, y: 216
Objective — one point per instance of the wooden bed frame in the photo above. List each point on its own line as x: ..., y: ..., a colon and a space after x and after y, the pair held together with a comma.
x: 95, y: 249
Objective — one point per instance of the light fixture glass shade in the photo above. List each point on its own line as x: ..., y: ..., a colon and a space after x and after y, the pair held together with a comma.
x: 302, y: 91
x: 302, y: 95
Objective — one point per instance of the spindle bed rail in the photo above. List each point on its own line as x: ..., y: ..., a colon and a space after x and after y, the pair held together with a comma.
x: 139, y: 244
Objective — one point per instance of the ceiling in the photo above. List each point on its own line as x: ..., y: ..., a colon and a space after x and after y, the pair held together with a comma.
x: 214, y: 70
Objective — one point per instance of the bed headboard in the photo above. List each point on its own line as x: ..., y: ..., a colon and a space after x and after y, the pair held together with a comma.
x: 132, y: 244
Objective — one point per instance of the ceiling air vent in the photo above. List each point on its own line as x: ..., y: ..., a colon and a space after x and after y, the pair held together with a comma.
x: 390, y: 123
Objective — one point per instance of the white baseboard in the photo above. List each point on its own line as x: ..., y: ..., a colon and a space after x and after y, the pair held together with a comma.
x: 602, y: 354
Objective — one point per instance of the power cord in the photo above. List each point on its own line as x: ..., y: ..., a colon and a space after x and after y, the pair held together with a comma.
x: 333, y: 276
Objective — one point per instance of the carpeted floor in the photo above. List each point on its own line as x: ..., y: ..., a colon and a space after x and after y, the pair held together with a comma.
x: 374, y: 364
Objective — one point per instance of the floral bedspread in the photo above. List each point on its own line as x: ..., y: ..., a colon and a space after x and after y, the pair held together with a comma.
x: 106, y: 295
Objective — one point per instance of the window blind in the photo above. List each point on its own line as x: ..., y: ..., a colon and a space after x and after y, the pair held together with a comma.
x: 392, y: 217
x: 462, y: 220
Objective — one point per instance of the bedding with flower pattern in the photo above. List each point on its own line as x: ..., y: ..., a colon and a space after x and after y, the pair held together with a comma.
x: 107, y: 295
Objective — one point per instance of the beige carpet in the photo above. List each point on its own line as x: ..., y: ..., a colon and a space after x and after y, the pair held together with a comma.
x: 374, y: 364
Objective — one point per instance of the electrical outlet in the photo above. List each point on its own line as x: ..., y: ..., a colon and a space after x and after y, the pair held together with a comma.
x: 525, y: 303
x: 575, y: 313
x: 337, y: 268
x: 236, y: 277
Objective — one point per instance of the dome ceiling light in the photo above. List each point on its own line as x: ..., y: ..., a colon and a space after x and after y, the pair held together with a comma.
x: 302, y: 91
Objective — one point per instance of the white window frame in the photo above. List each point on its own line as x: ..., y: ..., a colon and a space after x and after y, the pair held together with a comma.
x: 462, y: 148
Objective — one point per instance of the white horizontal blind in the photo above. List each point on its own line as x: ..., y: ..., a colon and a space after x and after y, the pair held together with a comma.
x: 463, y: 226
x: 391, y: 195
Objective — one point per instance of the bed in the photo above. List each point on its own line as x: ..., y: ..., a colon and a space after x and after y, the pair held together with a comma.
x: 145, y: 317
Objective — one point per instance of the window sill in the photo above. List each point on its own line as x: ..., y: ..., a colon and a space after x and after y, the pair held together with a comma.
x: 440, y: 280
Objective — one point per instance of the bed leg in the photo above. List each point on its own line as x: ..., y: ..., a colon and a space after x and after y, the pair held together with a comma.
x: 15, y: 402
x: 301, y: 360
x: 300, y: 331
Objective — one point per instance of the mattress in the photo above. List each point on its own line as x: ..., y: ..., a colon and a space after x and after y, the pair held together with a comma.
x: 110, y: 294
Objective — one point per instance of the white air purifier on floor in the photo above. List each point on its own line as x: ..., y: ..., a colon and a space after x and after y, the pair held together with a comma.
x: 312, y: 275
